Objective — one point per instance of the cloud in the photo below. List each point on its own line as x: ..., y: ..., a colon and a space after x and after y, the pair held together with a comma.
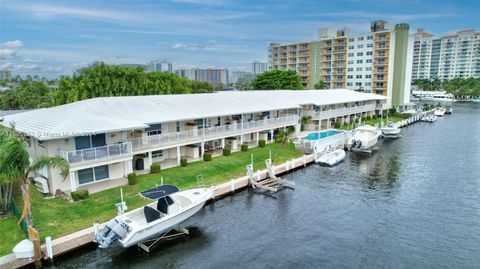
x: 200, y: 45
x: 14, y: 44
x: 370, y: 15
x: 5, y: 65
x: 7, y: 53
x: 28, y: 60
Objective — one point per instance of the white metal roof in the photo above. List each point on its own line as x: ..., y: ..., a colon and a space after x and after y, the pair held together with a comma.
x: 108, y: 114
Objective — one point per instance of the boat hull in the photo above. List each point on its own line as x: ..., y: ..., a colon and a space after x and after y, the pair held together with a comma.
x: 163, y: 227
x: 332, y: 158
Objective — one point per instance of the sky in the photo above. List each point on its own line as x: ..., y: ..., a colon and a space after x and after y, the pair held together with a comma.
x: 52, y: 38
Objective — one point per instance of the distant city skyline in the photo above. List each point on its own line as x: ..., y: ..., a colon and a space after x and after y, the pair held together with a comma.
x: 56, y: 38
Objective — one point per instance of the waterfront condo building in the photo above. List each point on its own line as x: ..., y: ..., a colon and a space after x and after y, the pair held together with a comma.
x: 210, y: 75
x: 446, y: 57
x: 258, y: 68
x: 160, y: 66
x: 104, y: 139
x: 5, y: 74
x: 376, y: 62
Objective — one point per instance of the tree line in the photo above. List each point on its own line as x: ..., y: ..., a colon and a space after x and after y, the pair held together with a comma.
x: 98, y: 80
x: 460, y: 87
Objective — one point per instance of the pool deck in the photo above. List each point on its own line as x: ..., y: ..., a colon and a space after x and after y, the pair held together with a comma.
x: 76, y: 240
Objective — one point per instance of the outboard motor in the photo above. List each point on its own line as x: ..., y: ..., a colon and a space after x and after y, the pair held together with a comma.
x: 359, y: 144
x: 106, y: 230
x: 118, y: 232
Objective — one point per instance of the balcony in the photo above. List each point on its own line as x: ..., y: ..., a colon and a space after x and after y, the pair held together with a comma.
x: 108, y: 152
x: 196, y: 136
x: 339, y: 112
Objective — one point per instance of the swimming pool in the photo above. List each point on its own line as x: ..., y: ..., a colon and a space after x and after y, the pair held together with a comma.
x: 320, y: 135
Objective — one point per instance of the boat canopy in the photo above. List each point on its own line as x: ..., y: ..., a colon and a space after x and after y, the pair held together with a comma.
x: 159, y: 192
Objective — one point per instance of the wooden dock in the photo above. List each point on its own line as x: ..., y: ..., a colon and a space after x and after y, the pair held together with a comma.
x: 84, y: 237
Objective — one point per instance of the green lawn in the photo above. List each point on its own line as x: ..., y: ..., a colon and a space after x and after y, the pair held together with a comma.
x: 57, y: 217
x: 373, y: 122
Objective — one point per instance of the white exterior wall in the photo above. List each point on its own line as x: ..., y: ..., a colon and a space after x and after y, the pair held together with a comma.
x: 352, y: 80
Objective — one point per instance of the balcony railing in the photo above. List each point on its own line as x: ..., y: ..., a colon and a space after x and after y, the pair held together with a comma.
x: 338, y: 112
x: 195, y: 136
x: 99, y: 153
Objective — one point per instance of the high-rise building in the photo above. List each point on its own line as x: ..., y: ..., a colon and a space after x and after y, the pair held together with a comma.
x: 258, y: 68
x: 237, y: 75
x: 5, y: 74
x: 160, y: 66
x: 446, y: 57
x: 378, y: 61
x: 210, y: 75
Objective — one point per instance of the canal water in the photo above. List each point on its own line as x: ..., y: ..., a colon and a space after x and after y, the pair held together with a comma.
x: 415, y: 203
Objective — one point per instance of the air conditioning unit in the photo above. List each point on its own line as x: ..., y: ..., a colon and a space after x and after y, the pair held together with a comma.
x: 41, y: 184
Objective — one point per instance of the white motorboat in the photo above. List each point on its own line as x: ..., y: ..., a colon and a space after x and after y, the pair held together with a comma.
x: 429, y: 118
x: 391, y: 130
x: 364, y: 138
x: 331, y: 158
x: 439, y: 112
x: 171, y: 207
x: 448, y: 110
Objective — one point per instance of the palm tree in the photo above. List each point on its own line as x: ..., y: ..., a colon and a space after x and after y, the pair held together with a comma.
x: 16, y: 167
x: 320, y: 85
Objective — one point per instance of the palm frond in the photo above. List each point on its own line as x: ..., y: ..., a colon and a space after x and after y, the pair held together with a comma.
x: 51, y: 162
x: 13, y: 159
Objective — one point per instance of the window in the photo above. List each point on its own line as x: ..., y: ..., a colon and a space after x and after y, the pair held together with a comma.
x: 360, y: 47
x: 85, y: 142
x: 368, y: 61
x: 199, y: 123
x: 351, y: 54
x: 368, y: 68
x: 369, y: 53
x: 157, y: 153
x: 370, y: 37
x: 351, y: 39
x: 177, y: 126
x: 358, y: 84
x: 359, y: 69
x: 359, y: 61
x: 349, y: 84
x: 360, y: 38
x: 350, y: 76
x: 368, y: 84
x: 41, y: 143
x: 359, y: 53
x: 368, y: 76
x: 154, y: 129
x: 359, y: 76
x: 92, y: 174
x: 350, y: 62
x: 369, y: 45
x: 350, y: 69
x: 351, y: 47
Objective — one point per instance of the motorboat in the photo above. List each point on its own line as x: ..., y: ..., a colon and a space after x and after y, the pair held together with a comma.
x: 332, y: 158
x: 429, y: 118
x: 476, y: 101
x: 390, y: 130
x: 170, y: 208
x: 448, y: 110
x: 439, y: 112
x: 364, y: 138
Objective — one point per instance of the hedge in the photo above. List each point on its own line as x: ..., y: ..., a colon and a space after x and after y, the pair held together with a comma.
x: 155, y: 168
x: 227, y: 152
x: 207, y: 157
x: 132, y: 179
x: 338, y: 125
x: 244, y: 147
x: 80, y: 194
x: 183, y: 162
x: 262, y: 143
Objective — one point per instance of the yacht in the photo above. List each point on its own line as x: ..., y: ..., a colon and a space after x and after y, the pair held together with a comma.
x: 448, y: 110
x: 476, y: 101
x: 364, y: 138
x: 443, y: 98
x: 429, y: 118
x: 439, y: 112
x: 170, y: 208
x: 332, y: 157
x: 390, y: 131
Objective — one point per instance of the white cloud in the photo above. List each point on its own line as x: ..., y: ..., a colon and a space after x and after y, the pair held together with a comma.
x: 7, y: 53
x: 200, y: 45
x: 14, y: 44
x: 5, y: 65
x: 28, y: 60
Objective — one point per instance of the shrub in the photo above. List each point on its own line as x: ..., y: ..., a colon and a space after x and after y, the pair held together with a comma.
x: 80, y: 194
x: 262, y: 143
x: 374, y: 117
x: 227, y: 152
x: 244, y: 147
x: 364, y: 119
x: 155, y: 168
x: 369, y: 118
x: 338, y: 125
x: 207, y: 157
x: 132, y: 179
x: 183, y: 162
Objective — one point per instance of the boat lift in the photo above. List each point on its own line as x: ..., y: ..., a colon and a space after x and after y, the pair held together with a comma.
x: 271, y: 183
x: 150, y: 244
